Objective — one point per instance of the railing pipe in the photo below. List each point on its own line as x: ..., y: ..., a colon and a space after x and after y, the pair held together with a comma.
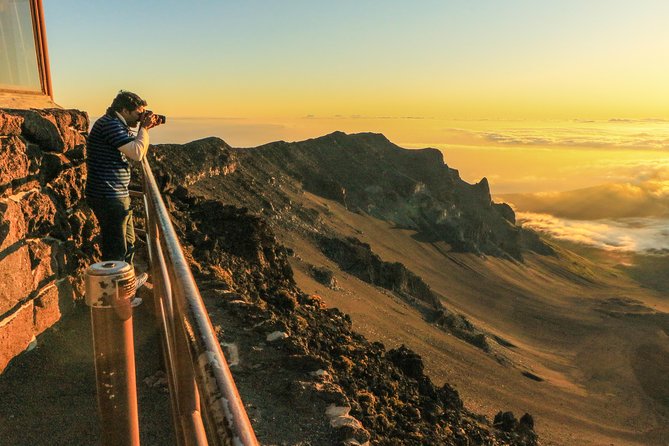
x: 213, y: 377
x: 183, y: 388
x: 163, y: 309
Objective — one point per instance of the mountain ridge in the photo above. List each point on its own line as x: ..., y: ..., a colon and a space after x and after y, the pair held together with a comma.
x: 318, y: 362
x: 548, y: 318
x: 412, y: 188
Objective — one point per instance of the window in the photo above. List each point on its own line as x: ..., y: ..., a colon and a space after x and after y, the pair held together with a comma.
x: 24, y: 67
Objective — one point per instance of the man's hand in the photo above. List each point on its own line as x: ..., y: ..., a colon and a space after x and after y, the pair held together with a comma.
x: 147, y: 121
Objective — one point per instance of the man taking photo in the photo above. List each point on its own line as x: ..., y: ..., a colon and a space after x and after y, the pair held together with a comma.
x: 111, y: 143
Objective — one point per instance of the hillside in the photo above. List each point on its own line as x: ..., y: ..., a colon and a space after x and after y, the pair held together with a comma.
x: 510, y: 321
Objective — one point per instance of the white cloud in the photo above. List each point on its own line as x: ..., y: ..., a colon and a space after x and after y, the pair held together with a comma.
x: 581, y: 136
x: 638, y: 234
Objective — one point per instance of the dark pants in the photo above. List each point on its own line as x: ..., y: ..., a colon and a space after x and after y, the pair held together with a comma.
x: 116, y: 227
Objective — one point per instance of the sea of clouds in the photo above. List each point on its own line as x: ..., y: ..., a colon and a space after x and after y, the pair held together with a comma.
x: 637, y: 186
x: 621, y: 134
x: 644, y: 197
x: 643, y: 235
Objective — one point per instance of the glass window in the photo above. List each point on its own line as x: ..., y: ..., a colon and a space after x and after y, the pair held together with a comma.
x: 19, y: 69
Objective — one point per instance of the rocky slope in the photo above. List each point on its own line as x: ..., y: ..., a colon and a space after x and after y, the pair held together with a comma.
x: 537, y: 340
x: 367, y: 173
x: 325, y: 370
x: 369, y: 393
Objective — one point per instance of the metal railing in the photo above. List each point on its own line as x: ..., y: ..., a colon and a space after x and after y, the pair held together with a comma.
x: 206, y: 407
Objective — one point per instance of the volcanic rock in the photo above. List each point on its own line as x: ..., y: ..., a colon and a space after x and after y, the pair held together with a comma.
x: 46, y: 231
x: 325, y: 276
x: 387, y: 396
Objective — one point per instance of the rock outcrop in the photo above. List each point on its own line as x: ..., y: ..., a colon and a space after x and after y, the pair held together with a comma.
x: 45, y: 231
x: 411, y: 188
x: 357, y: 258
x: 365, y: 172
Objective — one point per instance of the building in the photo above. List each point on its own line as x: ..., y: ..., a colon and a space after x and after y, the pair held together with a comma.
x: 25, y: 80
x: 42, y: 211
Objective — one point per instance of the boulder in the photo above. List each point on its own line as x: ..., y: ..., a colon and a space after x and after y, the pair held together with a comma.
x: 505, y: 421
x: 325, y: 276
x: 12, y: 225
x: 35, y: 156
x: 69, y: 292
x: 407, y: 361
x: 10, y: 125
x: 83, y: 229
x: 47, y: 261
x: 52, y: 164
x: 55, y: 130
x: 40, y: 127
x: 46, y: 310
x: 16, y: 333
x: 14, y: 164
x: 15, y: 277
x: 39, y: 213
x: 72, y: 126
x: 68, y: 186
x: 526, y: 422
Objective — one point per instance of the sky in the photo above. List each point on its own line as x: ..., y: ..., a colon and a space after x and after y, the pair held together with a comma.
x: 537, y: 96
x: 595, y: 59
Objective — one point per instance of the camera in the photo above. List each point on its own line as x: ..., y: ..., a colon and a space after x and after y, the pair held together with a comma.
x: 155, y: 119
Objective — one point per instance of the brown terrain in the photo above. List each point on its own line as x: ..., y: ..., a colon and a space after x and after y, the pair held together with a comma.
x: 392, y: 290
x: 578, y: 344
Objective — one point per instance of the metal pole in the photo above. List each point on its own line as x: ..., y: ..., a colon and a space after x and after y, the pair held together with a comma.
x: 165, y: 315
x: 189, y: 429
x: 110, y: 286
x: 231, y: 424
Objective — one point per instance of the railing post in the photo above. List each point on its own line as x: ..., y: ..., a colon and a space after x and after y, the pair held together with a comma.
x: 110, y: 287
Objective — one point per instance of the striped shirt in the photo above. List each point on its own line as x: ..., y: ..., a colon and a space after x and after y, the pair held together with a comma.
x: 108, y: 168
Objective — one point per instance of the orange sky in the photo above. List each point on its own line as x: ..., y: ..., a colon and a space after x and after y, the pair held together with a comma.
x: 262, y: 60
x: 519, y: 91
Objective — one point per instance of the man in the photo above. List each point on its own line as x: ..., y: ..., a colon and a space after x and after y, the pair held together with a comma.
x: 110, y: 144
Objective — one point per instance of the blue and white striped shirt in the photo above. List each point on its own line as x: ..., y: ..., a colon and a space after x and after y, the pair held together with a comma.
x: 108, y: 168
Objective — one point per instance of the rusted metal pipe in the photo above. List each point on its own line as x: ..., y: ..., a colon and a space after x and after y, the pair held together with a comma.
x: 184, y: 399
x: 223, y: 404
x: 163, y: 312
x: 110, y: 287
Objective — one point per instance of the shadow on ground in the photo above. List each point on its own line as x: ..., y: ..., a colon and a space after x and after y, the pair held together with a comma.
x: 47, y: 395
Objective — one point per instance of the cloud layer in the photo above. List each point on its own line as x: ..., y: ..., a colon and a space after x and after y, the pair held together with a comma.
x: 620, y: 134
x: 645, y: 235
x: 649, y: 198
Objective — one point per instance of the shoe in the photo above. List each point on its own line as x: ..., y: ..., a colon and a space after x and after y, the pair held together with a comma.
x: 141, y: 280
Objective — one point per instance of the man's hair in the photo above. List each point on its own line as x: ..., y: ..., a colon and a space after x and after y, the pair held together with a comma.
x: 126, y: 100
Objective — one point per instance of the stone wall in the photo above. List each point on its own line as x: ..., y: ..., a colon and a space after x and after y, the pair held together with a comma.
x: 45, y: 227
